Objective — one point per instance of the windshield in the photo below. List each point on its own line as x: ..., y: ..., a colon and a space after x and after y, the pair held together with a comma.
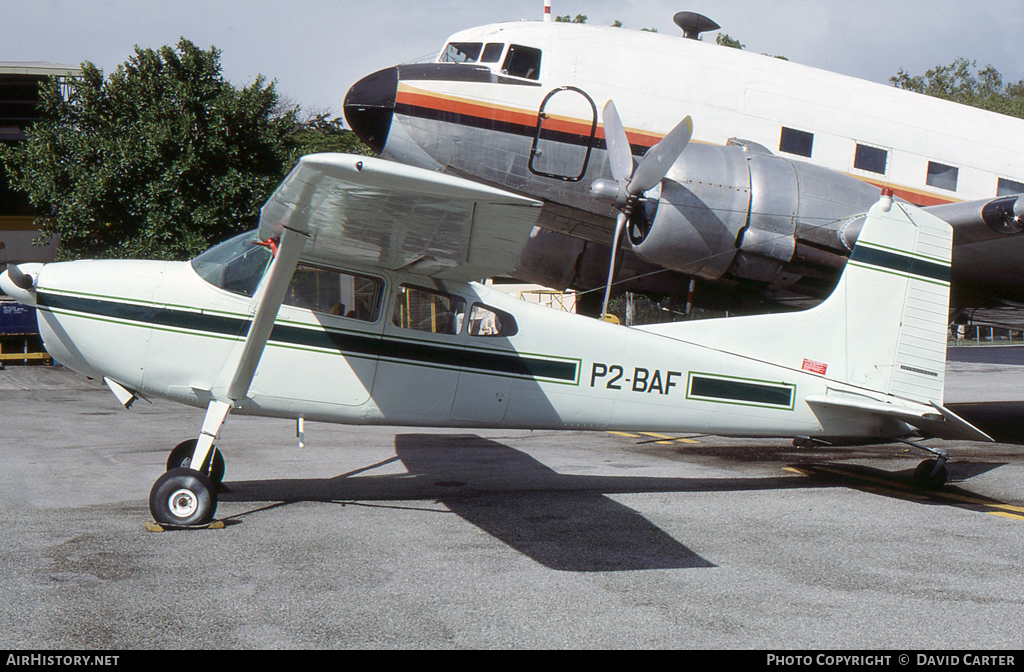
x: 460, y: 52
x: 236, y: 265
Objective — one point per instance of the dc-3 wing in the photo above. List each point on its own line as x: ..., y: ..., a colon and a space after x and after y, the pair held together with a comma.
x: 395, y: 217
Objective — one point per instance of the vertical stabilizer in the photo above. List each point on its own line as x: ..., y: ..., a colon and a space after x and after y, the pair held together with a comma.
x: 896, y: 287
x: 882, y: 329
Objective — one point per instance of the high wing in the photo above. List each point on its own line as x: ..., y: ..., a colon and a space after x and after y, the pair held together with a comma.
x: 396, y: 217
x: 338, y: 208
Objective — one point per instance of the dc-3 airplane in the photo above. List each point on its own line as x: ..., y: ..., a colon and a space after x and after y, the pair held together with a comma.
x: 353, y: 303
x: 766, y: 202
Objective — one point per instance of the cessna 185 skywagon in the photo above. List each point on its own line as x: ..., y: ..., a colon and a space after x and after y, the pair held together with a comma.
x: 766, y: 202
x: 353, y: 303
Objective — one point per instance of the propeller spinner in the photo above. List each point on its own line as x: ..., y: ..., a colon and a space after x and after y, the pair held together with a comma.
x: 629, y: 184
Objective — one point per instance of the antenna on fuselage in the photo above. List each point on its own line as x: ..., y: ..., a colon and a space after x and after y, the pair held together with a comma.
x: 547, y: 10
x: 693, y: 24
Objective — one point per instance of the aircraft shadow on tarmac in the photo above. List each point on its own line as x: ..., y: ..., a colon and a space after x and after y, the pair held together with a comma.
x: 562, y: 521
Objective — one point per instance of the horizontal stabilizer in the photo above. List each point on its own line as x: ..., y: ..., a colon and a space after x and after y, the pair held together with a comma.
x: 932, y: 420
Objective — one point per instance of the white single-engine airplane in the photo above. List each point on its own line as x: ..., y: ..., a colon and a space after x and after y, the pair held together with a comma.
x: 353, y: 303
x: 766, y: 202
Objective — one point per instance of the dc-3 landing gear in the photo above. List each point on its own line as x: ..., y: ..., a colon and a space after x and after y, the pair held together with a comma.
x: 185, y: 496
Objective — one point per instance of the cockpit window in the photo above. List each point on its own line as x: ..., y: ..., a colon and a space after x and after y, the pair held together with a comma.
x: 236, y: 265
x: 492, y: 52
x: 461, y: 52
x: 522, y: 62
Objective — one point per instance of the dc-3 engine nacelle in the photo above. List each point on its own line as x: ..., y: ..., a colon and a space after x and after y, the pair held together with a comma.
x: 741, y: 212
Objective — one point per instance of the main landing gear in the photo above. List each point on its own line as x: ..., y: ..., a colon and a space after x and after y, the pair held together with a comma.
x: 183, y: 498
x: 186, y: 496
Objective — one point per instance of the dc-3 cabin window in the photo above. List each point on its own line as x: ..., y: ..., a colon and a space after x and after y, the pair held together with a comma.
x: 335, y: 293
x: 796, y: 142
x: 871, y: 159
x: 236, y: 265
x: 487, y: 321
x: 942, y: 176
x: 428, y: 310
x: 1009, y: 187
x: 522, y: 62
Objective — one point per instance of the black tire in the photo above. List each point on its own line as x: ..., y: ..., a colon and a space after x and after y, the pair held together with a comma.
x: 923, y: 475
x: 183, y: 498
x: 181, y: 458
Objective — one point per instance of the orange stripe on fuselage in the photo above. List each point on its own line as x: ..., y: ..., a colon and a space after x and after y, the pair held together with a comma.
x: 409, y: 95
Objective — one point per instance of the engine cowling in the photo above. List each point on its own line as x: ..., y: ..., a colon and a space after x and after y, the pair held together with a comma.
x: 740, y: 212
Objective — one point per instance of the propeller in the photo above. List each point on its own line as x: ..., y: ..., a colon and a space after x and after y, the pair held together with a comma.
x: 629, y: 185
x: 19, y: 277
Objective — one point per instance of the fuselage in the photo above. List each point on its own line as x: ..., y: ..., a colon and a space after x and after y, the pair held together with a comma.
x: 161, y: 329
x: 655, y: 80
x: 779, y: 150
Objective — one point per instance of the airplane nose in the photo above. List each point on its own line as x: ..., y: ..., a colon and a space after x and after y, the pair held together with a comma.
x: 369, y: 106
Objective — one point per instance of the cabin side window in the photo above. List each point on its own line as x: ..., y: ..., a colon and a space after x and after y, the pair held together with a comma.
x: 487, y: 321
x: 335, y: 293
x: 871, y: 159
x: 796, y: 142
x: 428, y: 310
x: 522, y: 62
x: 942, y: 176
x: 1009, y: 187
x: 460, y: 52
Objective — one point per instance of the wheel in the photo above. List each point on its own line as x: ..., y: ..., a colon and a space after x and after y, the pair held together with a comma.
x: 923, y: 477
x: 181, y: 456
x: 183, y: 497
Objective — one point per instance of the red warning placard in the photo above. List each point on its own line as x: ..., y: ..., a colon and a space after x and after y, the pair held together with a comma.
x: 814, y: 367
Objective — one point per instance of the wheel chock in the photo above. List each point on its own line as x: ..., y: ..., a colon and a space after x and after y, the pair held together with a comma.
x: 152, y: 526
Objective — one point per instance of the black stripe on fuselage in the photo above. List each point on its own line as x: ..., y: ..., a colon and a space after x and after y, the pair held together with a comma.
x: 900, y: 263
x: 737, y: 391
x: 512, y: 128
x: 404, y: 350
x: 457, y: 72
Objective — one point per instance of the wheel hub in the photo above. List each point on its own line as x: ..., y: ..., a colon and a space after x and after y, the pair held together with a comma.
x: 183, y: 503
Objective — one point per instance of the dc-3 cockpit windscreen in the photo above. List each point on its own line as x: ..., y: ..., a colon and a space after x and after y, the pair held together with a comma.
x: 519, y: 60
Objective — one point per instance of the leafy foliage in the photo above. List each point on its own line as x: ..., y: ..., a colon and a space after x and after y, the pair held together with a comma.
x: 162, y: 159
x: 580, y: 18
x: 722, y: 39
x: 962, y: 82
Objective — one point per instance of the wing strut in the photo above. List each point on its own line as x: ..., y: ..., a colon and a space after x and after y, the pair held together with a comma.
x: 278, y: 277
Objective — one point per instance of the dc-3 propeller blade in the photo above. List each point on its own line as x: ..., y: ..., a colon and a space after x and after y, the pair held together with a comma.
x: 630, y: 184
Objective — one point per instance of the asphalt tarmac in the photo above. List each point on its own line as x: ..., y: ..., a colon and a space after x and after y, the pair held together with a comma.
x: 411, y: 538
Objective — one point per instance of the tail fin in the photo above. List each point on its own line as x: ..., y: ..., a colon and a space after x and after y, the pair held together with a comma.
x: 896, y: 293
x: 883, y: 328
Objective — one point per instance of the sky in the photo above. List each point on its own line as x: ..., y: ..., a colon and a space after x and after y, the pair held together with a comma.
x: 316, y: 49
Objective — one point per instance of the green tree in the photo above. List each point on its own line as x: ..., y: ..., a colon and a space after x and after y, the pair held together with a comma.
x: 724, y: 40
x: 962, y: 82
x: 159, y: 161
x: 322, y: 132
x: 580, y: 18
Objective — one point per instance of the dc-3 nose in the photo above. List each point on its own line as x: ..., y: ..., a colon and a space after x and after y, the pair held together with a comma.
x: 19, y: 282
x: 370, y: 105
